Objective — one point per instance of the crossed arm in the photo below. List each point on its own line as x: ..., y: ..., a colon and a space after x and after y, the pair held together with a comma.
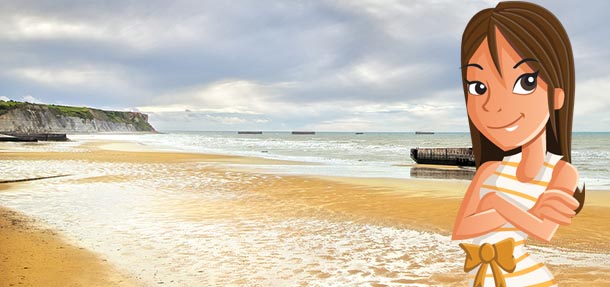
x: 478, y: 216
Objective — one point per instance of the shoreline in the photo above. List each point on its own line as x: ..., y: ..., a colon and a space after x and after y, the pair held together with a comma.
x: 423, y: 205
x: 35, y: 256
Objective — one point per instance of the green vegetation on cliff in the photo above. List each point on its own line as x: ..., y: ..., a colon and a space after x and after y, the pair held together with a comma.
x: 77, y: 112
x: 6, y: 106
x: 137, y: 120
x: 127, y: 118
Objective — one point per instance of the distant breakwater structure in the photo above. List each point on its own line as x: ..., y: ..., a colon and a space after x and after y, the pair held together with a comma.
x: 260, y: 133
x: 293, y: 132
x: 29, y: 137
x: 443, y: 156
x: 23, y: 119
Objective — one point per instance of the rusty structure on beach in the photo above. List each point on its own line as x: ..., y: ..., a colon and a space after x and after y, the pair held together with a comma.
x: 31, y: 137
x: 443, y: 156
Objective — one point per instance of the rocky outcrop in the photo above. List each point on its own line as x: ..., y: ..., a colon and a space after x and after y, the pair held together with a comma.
x: 17, y: 117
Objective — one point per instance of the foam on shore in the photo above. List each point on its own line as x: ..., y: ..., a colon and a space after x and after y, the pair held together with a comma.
x: 182, y: 219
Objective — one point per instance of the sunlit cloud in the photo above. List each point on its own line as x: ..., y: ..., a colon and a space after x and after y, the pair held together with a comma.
x: 56, y: 76
x: 32, y: 27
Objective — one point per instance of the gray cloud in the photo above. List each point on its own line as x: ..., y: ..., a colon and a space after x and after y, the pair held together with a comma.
x: 348, y: 65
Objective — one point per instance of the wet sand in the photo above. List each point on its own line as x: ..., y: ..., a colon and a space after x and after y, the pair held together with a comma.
x: 296, y: 228
x: 432, y: 205
x: 31, y: 256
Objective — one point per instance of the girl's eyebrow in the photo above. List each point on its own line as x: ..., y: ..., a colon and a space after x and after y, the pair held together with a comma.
x: 523, y: 61
x: 472, y: 65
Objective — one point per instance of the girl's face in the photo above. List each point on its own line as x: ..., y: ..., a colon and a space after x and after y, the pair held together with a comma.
x: 509, y: 109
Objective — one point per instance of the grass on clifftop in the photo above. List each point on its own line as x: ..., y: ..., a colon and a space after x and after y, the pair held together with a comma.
x: 128, y: 118
x: 117, y: 117
x: 6, y: 106
x: 80, y: 112
x: 121, y: 117
x: 77, y: 112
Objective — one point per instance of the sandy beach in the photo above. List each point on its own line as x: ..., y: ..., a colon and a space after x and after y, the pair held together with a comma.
x: 124, y: 214
x: 34, y: 256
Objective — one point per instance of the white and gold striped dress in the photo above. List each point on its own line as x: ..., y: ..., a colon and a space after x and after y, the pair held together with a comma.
x: 529, y: 271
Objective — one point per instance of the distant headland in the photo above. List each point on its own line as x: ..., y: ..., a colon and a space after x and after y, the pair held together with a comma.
x: 23, y: 117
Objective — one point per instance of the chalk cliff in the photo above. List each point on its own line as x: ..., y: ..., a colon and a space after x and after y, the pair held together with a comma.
x: 18, y: 117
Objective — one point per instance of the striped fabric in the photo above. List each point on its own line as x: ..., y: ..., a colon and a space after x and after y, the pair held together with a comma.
x: 503, y: 181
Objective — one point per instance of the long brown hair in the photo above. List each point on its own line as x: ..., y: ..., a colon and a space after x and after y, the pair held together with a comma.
x: 536, y: 33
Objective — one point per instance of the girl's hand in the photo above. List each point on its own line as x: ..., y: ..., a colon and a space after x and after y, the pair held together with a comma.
x: 556, y: 206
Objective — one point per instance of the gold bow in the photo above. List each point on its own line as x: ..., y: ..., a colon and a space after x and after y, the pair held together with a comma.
x: 498, y: 255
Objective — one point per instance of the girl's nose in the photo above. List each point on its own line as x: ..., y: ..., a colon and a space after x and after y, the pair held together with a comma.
x: 493, y: 103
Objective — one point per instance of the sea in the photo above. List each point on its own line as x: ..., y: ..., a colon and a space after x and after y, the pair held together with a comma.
x: 368, y: 154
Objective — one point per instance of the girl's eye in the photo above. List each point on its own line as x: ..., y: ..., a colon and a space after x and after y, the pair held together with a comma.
x: 476, y: 88
x: 526, y: 84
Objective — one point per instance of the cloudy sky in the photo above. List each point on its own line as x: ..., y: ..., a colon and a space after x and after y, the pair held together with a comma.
x: 272, y: 65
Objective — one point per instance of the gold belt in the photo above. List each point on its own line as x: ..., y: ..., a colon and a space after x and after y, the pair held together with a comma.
x: 498, y: 255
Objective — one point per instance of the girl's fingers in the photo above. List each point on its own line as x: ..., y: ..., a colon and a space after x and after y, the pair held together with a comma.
x: 560, y: 207
x: 564, y: 197
x: 552, y: 215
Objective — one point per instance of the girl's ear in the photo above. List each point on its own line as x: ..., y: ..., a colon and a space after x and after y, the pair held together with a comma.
x: 559, y: 97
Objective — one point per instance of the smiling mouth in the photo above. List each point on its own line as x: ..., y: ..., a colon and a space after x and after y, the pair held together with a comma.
x: 511, y: 126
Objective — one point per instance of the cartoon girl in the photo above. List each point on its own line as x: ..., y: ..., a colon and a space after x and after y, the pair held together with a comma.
x: 518, y: 73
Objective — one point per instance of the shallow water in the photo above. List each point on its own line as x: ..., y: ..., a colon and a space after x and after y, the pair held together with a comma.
x: 366, y: 155
x: 197, y: 224
x: 180, y: 224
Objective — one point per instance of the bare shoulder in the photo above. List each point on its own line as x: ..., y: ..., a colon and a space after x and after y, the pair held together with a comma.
x: 565, y: 177
x: 564, y: 169
x: 485, y: 170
